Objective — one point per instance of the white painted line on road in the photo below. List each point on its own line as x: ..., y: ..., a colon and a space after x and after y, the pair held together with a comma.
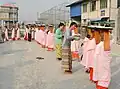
x: 9, y: 54
x: 115, y: 73
x: 115, y: 54
x: 116, y: 61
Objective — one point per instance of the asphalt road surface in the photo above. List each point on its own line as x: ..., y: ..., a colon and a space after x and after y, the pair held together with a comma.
x: 19, y: 69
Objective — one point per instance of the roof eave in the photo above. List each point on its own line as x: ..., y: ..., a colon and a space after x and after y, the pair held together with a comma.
x: 74, y: 3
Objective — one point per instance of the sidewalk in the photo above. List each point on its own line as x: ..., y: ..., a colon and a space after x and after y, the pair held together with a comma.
x: 116, y: 49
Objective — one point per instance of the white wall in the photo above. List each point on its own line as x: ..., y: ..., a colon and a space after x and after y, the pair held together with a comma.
x: 111, y: 11
x: 4, y: 16
x: 97, y: 14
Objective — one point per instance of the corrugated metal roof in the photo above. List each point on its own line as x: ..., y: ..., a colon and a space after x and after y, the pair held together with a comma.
x: 9, y: 5
x: 74, y: 3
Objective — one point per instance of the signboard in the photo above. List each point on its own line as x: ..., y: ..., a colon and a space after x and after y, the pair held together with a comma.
x: 102, y: 12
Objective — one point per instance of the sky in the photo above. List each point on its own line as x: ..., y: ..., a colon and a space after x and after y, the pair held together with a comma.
x: 28, y: 8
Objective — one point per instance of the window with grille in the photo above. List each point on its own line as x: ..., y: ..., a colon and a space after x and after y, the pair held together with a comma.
x: 103, y: 4
x: 93, y: 6
x: 118, y: 3
x: 84, y: 8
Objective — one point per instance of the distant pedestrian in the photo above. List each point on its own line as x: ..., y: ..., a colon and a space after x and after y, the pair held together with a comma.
x: 18, y: 33
x: 33, y: 32
x: 30, y: 34
x: 1, y: 35
x: 26, y: 33
x: 6, y: 34
x: 13, y: 33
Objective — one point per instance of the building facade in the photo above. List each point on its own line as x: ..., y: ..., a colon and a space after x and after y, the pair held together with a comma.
x: 99, y: 10
x: 75, y: 11
x: 8, y: 14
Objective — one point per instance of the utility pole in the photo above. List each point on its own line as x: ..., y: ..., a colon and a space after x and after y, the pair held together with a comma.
x: 109, y: 10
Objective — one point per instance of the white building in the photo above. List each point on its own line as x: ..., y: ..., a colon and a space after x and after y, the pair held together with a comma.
x: 8, y: 14
x: 100, y: 10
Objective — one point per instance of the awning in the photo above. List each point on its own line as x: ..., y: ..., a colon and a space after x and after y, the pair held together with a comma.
x: 98, y: 19
x: 94, y: 20
x: 74, y: 3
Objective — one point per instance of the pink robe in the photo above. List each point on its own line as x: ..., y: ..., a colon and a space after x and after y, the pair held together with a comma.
x: 26, y: 34
x: 38, y: 36
x: 13, y: 34
x: 90, y: 53
x: 36, y: 33
x: 75, y: 45
x: 50, y: 40
x: 43, y: 37
x: 96, y: 54
x: 6, y: 34
x: 102, y: 71
x: 18, y: 34
x: 33, y: 33
x: 85, y: 42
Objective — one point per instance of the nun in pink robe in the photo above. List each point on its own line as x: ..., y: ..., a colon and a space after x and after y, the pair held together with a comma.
x: 75, y: 45
x: 90, y: 52
x: 13, y: 34
x: 90, y: 56
x: 33, y: 33
x: 43, y: 38
x: 26, y: 33
x: 96, y: 55
x: 102, y: 71
x: 18, y: 34
x: 38, y: 36
x: 85, y: 42
x: 50, y: 41
x: 6, y: 34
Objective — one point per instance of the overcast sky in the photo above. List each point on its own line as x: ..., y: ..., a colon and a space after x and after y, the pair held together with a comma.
x: 28, y: 8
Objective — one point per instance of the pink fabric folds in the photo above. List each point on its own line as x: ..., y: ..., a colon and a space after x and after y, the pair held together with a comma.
x: 90, y: 53
x: 102, y: 71
x: 13, y: 34
x: 43, y: 38
x: 85, y: 42
x: 50, y: 40
x: 38, y: 36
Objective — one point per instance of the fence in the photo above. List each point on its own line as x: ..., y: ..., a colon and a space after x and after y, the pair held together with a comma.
x: 55, y: 15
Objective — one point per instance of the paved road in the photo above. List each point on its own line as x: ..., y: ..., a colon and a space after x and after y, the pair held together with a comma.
x: 19, y: 69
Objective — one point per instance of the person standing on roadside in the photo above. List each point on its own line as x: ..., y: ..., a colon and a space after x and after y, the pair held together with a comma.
x: 30, y: 33
x: 66, y: 48
x: 58, y: 41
